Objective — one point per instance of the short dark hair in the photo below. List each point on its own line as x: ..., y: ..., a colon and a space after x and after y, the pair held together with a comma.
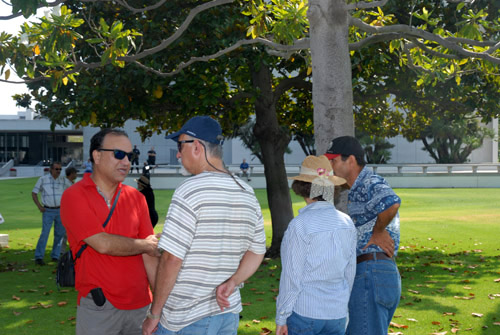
x: 98, y: 138
x: 54, y: 163
x: 70, y: 171
x: 303, y: 189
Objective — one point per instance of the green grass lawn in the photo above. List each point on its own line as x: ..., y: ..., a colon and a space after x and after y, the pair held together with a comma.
x: 449, y: 261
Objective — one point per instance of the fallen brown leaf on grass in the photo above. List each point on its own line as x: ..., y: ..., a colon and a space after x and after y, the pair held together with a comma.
x: 397, y: 333
x: 477, y: 315
x: 395, y: 325
x: 15, y: 298
x: 440, y: 333
x: 448, y: 313
x: 497, y: 280
x: 454, y: 330
x: 62, y: 303
x: 436, y: 323
x: 413, y: 320
x: 255, y: 321
x: 16, y: 313
x: 265, y: 331
x: 413, y: 291
x: 246, y: 303
x: 463, y: 298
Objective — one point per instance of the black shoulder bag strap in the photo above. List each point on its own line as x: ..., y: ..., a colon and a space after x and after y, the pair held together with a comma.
x: 79, y: 253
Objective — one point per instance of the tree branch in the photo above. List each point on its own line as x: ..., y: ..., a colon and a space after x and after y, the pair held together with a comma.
x: 364, y: 4
x: 301, y: 44
x: 134, y: 10
x: 450, y: 43
x: 288, y: 83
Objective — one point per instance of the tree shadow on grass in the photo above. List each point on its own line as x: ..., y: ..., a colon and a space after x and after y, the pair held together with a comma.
x: 30, y: 302
x: 453, y: 285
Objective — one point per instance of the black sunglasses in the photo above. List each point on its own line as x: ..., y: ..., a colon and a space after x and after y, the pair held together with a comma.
x: 119, y: 154
x: 179, y: 144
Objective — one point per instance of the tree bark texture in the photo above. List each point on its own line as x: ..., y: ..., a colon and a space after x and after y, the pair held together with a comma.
x: 273, y: 141
x: 331, y: 71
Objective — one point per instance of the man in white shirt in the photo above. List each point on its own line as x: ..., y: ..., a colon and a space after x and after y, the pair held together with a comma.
x: 51, y: 186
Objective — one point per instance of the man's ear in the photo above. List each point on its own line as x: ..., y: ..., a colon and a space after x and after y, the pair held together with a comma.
x: 96, y: 155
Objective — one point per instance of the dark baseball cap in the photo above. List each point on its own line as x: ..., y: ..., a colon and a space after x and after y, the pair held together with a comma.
x: 201, y: 127
x: 345, y: 145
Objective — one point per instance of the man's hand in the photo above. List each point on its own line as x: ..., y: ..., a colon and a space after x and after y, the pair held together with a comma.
x: 149, y: 326
x: 383, y: 240
x: 282, y: 330
x: 223, y: 292
x: 152, y: 246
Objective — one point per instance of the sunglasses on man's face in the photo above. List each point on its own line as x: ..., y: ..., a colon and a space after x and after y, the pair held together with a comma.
x: 119, y: 154
x: 179, y: 144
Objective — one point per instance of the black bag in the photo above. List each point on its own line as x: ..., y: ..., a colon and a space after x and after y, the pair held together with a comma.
x: 65, y: 273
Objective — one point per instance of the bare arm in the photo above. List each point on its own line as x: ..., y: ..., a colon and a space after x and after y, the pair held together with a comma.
x: 381, y: 236
x: 168, y: 270
x: 37, y: 202
x: 248, y: 265
x: 116, y: 245
x: 151, y: 265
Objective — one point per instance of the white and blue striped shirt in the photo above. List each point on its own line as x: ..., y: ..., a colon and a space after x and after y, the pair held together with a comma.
x: 318, y: 257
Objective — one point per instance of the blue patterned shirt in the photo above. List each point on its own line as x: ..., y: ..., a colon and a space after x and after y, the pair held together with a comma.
x: 369, y: 196
x: 318, y: 259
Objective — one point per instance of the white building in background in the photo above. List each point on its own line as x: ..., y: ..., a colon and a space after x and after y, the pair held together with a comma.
x: 29, y: 140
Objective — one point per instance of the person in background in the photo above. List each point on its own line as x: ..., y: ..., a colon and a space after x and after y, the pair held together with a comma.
x: 244, y: 167
x: 87, y: 166
x: 144, y: 186
x: 51, y: 186
x: 135, y: 159
x: 373, y: 207
x: 318, y: 256
x: 71, y: 174
x: 152, y: 157
x: 212, y: 241
x: 115, y: 271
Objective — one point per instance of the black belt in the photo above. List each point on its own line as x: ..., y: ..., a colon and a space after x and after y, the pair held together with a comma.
x: 373, y: 256
x: 51, y: 207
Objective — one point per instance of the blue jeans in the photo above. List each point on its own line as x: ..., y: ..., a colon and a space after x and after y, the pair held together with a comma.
x: 49, y: 216
x: 220, y: 324
x: 298, y: 324
x: 374, y: 297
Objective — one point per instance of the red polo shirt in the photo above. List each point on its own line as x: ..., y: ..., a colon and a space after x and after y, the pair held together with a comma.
x: 122, y: 278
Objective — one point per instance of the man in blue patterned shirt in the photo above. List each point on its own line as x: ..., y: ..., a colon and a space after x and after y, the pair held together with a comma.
x: 373, y: 207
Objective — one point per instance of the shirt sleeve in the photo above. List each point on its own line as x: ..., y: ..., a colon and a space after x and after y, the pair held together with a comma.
x: 258, y: 245
x: 179, y: 229
x: 382, y: 197
x: 293, y: 258
x: 38, y: 185
x: 80, y: 220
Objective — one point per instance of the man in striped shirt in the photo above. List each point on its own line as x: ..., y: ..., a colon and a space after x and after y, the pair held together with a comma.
x: 51, y: 186
x: 212, y: 241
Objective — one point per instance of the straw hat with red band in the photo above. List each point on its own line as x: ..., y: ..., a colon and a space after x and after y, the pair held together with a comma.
x: 317, y: 170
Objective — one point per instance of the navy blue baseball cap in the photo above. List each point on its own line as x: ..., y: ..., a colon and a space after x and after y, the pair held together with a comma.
x: 201, y: 127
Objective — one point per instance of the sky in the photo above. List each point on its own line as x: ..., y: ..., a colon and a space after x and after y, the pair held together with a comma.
x: 8, y: 105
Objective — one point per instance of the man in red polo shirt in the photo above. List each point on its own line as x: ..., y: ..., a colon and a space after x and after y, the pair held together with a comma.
x: 114, y: 272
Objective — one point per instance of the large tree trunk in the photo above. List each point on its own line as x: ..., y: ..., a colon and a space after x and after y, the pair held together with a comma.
x: 273, y: 141
x: 331, y: 73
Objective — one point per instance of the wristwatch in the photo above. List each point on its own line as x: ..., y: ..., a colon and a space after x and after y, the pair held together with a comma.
x: 151, y: 316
